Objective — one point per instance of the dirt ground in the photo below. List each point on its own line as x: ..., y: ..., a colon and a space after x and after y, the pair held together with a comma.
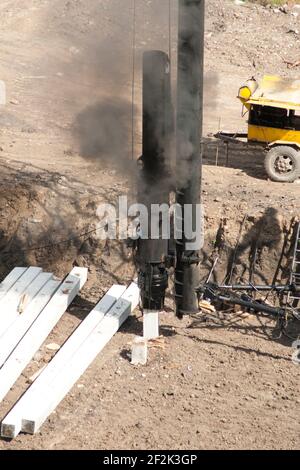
x: 219, y: 383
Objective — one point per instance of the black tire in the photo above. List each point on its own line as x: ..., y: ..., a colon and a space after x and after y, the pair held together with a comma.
x: 282, y: 164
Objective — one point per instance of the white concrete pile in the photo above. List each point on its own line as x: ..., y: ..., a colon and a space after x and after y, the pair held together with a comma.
x: 31, y: 304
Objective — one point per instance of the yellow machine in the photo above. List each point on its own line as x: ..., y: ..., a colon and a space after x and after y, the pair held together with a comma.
x: 273, y: 106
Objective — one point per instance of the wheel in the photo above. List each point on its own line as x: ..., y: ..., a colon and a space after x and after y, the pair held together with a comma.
x: 282, y: 164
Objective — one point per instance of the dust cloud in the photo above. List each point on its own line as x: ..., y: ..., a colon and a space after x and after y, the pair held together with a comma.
x: 103, y: 131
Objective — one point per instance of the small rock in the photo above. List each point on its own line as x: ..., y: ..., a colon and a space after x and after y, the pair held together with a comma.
x: 38, y: 356
x: 53, y: 347
x: 74, y: 50
x: 35, y: 221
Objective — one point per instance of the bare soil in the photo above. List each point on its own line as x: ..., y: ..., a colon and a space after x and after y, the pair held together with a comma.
x: 219, y: 383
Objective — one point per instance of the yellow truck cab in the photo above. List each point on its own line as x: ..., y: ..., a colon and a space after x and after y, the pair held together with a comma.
x: 274, y: 122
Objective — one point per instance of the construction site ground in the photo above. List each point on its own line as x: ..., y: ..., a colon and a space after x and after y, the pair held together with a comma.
x: 224, y: 383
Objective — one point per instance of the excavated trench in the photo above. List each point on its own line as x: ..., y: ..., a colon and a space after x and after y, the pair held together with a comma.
x: 254, y: 248
x: 45, y: 223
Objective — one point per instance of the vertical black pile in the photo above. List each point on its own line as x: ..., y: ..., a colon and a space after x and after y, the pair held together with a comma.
x: 154, y: 184
x: 189, y: 134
